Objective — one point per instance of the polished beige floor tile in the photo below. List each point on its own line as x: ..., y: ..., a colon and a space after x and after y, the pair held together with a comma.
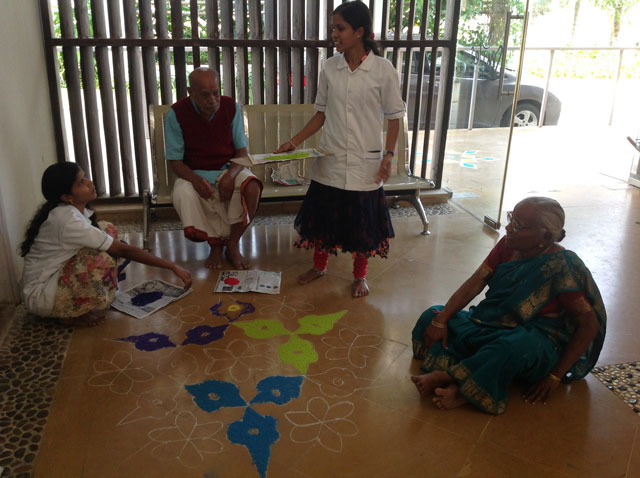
x: 122, y: 411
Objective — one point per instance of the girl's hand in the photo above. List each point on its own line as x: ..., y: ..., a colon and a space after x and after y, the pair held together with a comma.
x: 385, y: 169
x: 183, y: 274
x: 284, y: 147
x: 541, y: 391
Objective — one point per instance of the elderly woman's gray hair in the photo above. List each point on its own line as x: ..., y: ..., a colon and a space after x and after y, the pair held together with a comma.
x: 551, y: 215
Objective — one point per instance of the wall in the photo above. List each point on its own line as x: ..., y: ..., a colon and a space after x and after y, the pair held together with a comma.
x: 26, y: 130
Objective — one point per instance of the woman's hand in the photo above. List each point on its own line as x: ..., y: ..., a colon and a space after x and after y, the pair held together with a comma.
x: 284, y: 147
x: 385, y: 169
x: 436, y: 333
x: 183, y: 274
x: 541, y: 391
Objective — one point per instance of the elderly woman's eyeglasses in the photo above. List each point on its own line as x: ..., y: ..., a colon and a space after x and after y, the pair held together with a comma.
x: 515, y: 224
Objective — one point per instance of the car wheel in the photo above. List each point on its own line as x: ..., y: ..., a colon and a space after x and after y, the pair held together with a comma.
x: 527, y: 115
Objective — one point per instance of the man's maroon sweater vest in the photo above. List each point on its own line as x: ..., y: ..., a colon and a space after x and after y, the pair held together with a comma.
x: 208, y: 145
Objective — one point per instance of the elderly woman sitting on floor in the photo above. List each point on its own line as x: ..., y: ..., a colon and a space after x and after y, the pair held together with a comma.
x: 542, y: 321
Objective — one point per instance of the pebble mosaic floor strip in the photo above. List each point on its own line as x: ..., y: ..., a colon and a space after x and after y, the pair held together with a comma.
x: 622, y: 379
x: 30, y: 362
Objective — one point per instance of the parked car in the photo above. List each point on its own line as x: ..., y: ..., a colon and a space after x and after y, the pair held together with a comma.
x: 491, y: 110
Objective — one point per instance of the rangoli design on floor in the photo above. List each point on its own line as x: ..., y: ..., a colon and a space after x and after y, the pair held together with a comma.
x: 192, y: 369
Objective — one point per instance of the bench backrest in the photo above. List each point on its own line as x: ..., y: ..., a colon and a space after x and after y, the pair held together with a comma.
x: 267, y: 127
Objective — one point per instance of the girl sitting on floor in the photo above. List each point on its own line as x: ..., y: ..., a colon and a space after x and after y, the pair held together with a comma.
x: 70, y: 268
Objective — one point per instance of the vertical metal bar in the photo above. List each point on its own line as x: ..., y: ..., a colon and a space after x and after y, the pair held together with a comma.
x: 228, y: 57
x: 72, y: 77
x: 257, y: 69
x: 297, y: 54
x: 397, y: 32
x: 615, y: 89
x: 164, y: 55
x: 179, y: 59
x: 148, y: 53
x: 545, y: 95
x: 122, y: 104
x: 106, y: 97
x: 138, y: 103
x: 241, y: 53
x: 53, y: 77
x: 328, y: 16
x: 213, y: 53
x: 408, y: 52
x: 270, y: 59
x: 284, y: 55
x: 195, y: 33
x: 311, y: 65
x: 448, y: 64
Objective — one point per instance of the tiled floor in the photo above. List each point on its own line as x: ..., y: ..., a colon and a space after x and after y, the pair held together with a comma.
x: 118, y: 411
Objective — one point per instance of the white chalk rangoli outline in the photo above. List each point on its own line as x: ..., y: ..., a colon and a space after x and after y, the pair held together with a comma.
x: 187, y: 440
x: 287, y: 309
x: 242, y: 362
x: 322, y: 423
x: 343, y: 384
x: 352, y: 346
x: 179, y: 316
x: 120, y: 373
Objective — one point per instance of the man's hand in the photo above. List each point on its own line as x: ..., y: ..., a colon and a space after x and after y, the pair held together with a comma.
x: 203, y: 187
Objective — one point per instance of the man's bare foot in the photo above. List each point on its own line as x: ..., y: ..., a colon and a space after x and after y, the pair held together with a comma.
x: 236, y: 258
x: 214, y: 261
x: 428, y: 382
x: 90, y: 319
x: 448, y: 397
x: 310, y: 275
x: 359, y: 287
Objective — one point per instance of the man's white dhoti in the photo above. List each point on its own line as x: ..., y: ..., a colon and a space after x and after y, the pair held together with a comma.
x: 207, y: 219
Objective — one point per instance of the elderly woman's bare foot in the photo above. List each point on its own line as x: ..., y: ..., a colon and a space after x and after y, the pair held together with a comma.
x: 310, y: 275
x: 448, y: 397
x: 359, y: 287
x: 236, y: 258
x: 214, y: 261
x: 428, y: 382
x: 90, y: 319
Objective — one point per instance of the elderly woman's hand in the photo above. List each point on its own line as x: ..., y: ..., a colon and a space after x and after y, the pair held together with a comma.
x: 541, y: 391
x: 436, y: 332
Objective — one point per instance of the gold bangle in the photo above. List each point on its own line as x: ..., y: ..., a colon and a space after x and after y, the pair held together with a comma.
x: 555, y: 378
x: 291, y: 143
x: 438, y: 325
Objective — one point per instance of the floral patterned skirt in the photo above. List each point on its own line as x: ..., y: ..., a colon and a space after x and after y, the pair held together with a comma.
x: 88, y: 281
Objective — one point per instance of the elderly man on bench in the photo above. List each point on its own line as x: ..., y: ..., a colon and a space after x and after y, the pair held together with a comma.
x: 215, y: 198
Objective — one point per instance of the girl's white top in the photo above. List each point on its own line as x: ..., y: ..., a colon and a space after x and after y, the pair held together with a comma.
x: 60, y: 237
x: 355, y: 104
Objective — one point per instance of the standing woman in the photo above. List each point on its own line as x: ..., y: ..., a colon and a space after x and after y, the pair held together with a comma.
x: 70, y: 265
x: 345, y: 206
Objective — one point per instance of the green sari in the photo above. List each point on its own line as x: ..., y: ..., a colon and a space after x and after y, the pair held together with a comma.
x: 504, y: 338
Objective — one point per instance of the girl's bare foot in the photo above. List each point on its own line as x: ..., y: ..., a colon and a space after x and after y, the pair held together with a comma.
x: 359, y: 287
x: 428, y: 382
x: 311, y: 274
x: 90, y: 319
x: 448, y: 397
x: 214, y: 261
x: 236, y: 258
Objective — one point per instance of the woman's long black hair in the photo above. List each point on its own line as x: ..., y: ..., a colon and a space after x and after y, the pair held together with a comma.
x: 57, y: 180
x: 357, y: 15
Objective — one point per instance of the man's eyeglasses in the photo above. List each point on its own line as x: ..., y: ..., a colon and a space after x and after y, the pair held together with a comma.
x: 515, y: 224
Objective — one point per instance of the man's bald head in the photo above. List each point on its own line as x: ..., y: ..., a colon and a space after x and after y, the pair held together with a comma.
x: 204, y: 90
